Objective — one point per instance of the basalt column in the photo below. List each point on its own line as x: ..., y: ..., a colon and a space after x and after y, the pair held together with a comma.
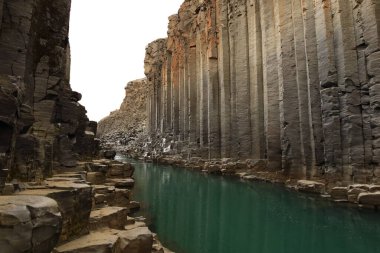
x: 41, y: 122
x: 292, y: 83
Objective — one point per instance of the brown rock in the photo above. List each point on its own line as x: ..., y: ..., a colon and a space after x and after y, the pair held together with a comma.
x: 112, y: 217
x: 74, y: 201
x: 310, y: 186
x: 29, y: 224
x: 372, y: 198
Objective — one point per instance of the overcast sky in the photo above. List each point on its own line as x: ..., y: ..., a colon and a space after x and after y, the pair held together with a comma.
x: 108, y: 40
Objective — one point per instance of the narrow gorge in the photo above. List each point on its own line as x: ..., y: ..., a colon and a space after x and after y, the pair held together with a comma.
x: 256, y: 128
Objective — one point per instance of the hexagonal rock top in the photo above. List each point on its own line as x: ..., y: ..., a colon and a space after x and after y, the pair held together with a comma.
x: 29, y: 224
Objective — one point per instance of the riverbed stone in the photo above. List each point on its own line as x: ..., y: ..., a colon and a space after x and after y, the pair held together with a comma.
x: 310, y: 186
x: 122, y: 182
x: 29, y: 224
x: 370, y: 198
x: 339, y: 193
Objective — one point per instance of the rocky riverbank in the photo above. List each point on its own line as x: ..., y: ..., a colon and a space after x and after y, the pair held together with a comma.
x: 85, y: 209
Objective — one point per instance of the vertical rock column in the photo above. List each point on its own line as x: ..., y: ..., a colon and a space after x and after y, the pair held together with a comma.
x: 224, y: 77
x: 213, y: 85
x: 270, y: 82
x: 240, y: 75
x: 255, y: 49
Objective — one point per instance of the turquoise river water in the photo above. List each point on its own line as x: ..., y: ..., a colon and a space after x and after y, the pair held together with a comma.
x: 196, y: 213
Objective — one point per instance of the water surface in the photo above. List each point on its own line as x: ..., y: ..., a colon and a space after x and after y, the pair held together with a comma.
x: 196, y: 213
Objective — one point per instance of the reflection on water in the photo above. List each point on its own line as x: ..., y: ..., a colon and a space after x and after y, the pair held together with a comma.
x: 195, y: 213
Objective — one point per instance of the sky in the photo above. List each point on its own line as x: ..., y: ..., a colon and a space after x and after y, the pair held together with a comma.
x: 108, y: 40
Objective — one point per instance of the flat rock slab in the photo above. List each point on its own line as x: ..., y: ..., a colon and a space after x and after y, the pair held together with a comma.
x: 310, y: 186
x: 29, y: 224
x: 112, y: 217
x: 95, y: 242
x: 122, y: 182
x: 138, y: 240
x: 74, y: 201
x: 96, y: 177
x: 121, y: 170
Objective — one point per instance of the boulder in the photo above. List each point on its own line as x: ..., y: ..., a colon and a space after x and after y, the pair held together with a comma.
x: 339, y: 193
x: 112, y: 217
x: 137, y: 240
x: 310, y: 186
x: 121, y: 170
x: 96, y: 178
x: 29, y: 224
x: 109, y: 154
x: 122, y: 182
x: 74, y: 201
x: 369, y: 198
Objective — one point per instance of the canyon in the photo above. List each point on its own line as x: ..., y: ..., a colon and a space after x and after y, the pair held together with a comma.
x: 282, y: 91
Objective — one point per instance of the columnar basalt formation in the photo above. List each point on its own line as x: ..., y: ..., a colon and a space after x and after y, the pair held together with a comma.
x: 292, y: 83
x: 129, y: 121
x: 41, y: 122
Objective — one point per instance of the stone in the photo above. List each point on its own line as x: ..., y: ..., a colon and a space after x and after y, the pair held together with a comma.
x: 134, y: 206
x: 74, y: 201
x: 339, y: 193
x: 8, y: 189
x: 310, y: 186
x: 372, y: 198
x: 122, y: 182
x: 96, y: 178
x: 112, y: 217
x: 95, y: 242
x: 29, y: 224
x: 125, y: 125
x: 138, y: 240
x: 109, y: 154
x: 121, y: 170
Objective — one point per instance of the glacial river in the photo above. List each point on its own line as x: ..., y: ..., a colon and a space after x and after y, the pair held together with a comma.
x: 196, y: 213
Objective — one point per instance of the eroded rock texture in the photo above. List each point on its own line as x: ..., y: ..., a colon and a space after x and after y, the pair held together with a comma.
x: 41, y: 122
x: 294, y: 83
x: 128, y: 123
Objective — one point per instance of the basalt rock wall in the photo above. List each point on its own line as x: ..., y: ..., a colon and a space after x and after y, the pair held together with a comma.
x: 129, y: 121
x: 42, y: 125
x: 294, y: 83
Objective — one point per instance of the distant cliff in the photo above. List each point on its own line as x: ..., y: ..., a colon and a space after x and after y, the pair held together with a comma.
x: 293, y: 84
x: 125, y: 124
x: 42, y: 125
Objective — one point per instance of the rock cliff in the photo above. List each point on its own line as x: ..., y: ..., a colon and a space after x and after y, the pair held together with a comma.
x: 293, y: 84
x: 125, y: 125
x: 41, y: 122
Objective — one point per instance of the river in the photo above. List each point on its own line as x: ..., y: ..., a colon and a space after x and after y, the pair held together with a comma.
x: 196, y: 213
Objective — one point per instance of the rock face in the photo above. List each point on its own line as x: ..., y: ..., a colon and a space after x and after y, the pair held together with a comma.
x: 126, y: 124
x: 41, y: 122
x: 28, y: 224
x: 293, y: 84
